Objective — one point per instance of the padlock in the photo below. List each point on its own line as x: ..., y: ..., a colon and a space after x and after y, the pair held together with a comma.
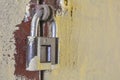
x: 42, y: 52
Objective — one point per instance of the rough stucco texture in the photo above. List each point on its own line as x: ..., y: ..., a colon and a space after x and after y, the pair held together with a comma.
x: 89, y: 33
x: 11, y: 14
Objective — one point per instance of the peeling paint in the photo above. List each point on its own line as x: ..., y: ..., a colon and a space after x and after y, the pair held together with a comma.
x: 20, y: 57
x: 20, y: 39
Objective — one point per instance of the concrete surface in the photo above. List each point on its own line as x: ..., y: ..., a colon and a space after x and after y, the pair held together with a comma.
x: 11, y: 13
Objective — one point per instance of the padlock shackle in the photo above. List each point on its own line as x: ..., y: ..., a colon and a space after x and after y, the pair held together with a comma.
x: 42, y: 13
x: 34, y: 23
x: 53, y: 28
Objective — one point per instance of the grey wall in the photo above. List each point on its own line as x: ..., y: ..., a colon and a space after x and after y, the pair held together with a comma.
x: 11, y: 13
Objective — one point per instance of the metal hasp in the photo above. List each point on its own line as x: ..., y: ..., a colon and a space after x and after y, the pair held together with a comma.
x: 42, y: 52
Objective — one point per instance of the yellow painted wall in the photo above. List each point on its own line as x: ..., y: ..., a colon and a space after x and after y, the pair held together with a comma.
x: 89, y: 41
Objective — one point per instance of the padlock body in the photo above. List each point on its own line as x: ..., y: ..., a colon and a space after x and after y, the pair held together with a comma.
x: 37, y: 53
x: 31, y: 49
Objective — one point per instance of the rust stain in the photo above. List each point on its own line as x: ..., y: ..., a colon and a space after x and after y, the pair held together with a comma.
x: 45, y: 30
x: 20, y: 57
x: 21, y: 42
